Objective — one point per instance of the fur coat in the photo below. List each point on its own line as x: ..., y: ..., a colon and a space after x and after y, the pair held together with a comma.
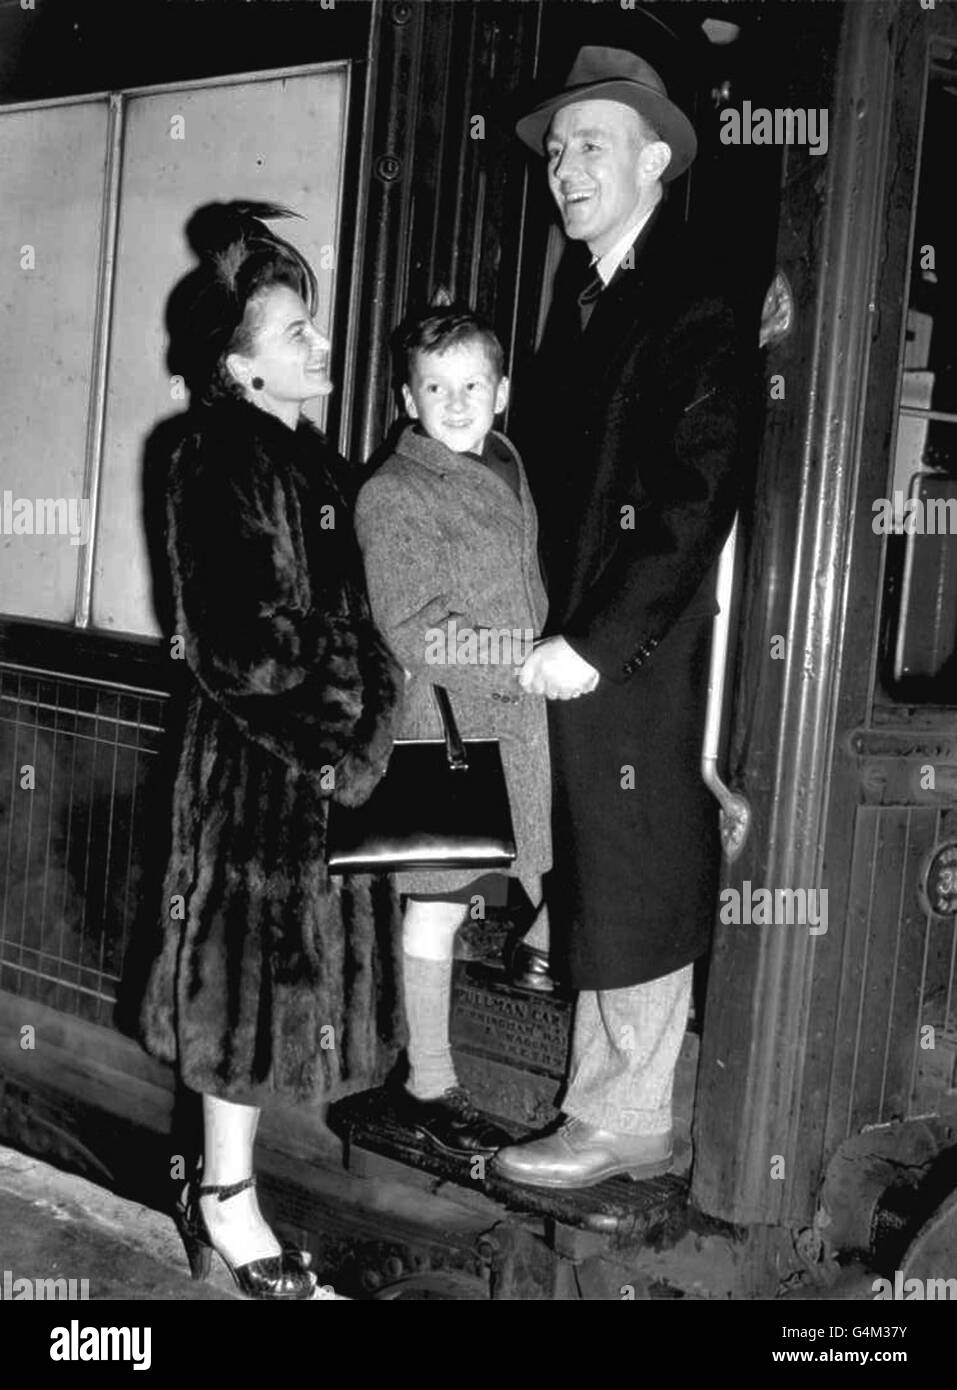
x: 268, y: 975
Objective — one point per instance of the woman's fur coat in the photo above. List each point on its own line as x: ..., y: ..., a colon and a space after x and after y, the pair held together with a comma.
x: 269, y: 975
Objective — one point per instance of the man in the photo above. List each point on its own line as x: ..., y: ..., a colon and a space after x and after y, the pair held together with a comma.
x: 638, y: 437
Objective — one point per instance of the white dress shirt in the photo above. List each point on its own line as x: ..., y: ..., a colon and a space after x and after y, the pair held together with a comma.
x: 607, y: 264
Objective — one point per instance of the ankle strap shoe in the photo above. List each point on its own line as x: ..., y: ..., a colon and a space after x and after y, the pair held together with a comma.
x: 276, y: 1277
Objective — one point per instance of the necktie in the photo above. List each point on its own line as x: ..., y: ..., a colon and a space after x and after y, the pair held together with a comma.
x: 586, y: 300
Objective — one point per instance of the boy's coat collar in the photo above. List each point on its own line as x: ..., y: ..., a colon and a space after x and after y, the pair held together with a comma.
x: 435, y: 455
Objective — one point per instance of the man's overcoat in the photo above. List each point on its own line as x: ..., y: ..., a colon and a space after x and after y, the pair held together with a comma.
x: 640, y: 463
x: 269, y: 975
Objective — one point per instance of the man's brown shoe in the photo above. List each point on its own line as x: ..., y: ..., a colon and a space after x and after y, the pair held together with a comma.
x: 582, y: 1155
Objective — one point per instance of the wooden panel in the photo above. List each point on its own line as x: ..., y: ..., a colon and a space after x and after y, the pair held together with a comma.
x: 909, y: 1002
x: 447, y: 185
x: 890, y: 975
x: 852, y: 973
x: 876, y: 984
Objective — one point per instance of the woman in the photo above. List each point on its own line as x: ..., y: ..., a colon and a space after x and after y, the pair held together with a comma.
x: 267, y: 979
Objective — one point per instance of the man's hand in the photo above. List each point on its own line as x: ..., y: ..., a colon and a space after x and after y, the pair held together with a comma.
x: 556, y: 670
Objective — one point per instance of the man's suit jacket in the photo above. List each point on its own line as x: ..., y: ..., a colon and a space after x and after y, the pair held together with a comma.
x: 638, y: 456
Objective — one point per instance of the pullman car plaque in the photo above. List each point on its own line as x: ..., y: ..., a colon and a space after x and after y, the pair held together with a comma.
x: 518, y: 1029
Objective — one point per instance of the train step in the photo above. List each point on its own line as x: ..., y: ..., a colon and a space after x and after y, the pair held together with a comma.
x: 378, y: 1144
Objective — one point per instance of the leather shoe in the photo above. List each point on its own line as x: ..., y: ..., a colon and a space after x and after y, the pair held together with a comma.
x: 581, y: 1155
x: 451, y: 1124
x: 528, y: 969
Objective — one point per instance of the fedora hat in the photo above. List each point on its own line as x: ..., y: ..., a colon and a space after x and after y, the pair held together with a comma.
x: 615, y: 74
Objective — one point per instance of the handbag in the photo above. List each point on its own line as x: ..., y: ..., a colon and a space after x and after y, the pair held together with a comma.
x: 442, y: 804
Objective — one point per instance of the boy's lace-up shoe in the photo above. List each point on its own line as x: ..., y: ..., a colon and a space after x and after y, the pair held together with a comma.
x: 451, y: 1123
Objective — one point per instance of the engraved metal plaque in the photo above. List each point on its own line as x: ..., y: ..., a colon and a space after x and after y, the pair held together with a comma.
x: 508, y: 1025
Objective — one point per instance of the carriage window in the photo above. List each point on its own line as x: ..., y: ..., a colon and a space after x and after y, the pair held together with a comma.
x: 51, y: 198
x: 94, y: 195
x: 919, y: 516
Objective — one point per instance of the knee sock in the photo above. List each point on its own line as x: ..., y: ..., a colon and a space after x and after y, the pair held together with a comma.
x: 427, y: 972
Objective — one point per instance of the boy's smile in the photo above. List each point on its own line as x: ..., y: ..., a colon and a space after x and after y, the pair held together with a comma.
x: 455, y: 395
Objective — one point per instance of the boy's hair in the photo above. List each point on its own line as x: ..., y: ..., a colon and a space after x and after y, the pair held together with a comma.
x: 439, y: 329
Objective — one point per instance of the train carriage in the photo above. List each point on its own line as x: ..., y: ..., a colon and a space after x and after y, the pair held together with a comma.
x: 818, y: 1081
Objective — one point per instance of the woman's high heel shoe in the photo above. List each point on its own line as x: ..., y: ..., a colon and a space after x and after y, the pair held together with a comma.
x: 284, y: 1276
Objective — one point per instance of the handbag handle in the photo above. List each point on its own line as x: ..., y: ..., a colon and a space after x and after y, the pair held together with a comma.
x: 454, y: 747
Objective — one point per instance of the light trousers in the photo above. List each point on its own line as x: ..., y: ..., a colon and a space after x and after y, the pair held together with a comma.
x: 625, y: 1046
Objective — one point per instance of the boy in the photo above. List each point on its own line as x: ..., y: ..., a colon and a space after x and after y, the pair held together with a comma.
x: 449, y: 534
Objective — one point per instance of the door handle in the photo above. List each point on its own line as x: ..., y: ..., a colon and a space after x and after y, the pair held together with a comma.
x: 735, y: 815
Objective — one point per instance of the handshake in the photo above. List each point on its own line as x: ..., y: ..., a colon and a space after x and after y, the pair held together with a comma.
x: 555, y: 669
x: 552, y: 668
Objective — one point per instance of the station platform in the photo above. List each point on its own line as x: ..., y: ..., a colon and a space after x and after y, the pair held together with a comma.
x: 57, y: 1225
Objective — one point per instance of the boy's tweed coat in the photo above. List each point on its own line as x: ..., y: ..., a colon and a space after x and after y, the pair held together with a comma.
x: 641, y: 435
x: 259, y: 950
x: 446, y: 538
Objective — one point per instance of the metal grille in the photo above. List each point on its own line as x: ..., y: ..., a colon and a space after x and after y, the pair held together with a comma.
x: 71, y: 833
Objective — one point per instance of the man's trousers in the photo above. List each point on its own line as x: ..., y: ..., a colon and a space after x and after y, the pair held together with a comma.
x: 625, y: 1046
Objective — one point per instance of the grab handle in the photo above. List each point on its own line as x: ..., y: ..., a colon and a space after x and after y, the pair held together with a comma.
x: 735, y: 821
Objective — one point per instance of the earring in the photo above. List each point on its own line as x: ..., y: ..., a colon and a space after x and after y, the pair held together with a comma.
x: 257, y: 383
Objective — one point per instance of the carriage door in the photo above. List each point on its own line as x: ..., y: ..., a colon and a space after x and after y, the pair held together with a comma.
x: 846, y: 746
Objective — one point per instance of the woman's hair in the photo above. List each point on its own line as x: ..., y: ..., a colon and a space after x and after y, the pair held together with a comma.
x: 215, y: 309
x: 439, y: 329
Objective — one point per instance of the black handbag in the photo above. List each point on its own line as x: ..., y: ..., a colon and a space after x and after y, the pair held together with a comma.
x: 442, y: 804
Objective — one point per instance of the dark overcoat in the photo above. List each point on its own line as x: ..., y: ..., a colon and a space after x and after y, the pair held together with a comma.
x: 269, y: 976
x: 640, y: 464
